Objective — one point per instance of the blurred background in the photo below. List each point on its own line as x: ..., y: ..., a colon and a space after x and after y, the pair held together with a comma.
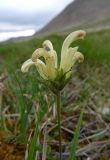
x: 24, y: 25
x: 23, y: 18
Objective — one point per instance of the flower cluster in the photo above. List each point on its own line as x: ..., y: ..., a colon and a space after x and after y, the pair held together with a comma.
x: 49, y: 69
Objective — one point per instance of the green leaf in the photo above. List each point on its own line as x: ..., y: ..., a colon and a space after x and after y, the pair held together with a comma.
x: 33, y: 145
x: 75, y: 139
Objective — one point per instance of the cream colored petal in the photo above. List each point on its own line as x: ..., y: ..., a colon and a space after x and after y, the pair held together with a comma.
x: 55, y: 58
x: 80, y: 34
x: 78, y: 56
x: 67, y: 63
x: 26, y: 65
x: 47, y: 45
x: 50, y: 57
x: 51, y: 64
x: 42, y: 69
x: 50, y: 60
x: 40, y: 52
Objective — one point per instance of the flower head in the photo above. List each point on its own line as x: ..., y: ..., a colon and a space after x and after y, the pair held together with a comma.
x: 49, y: 69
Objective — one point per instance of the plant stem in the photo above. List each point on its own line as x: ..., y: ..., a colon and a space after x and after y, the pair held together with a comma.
x: 58, y: 100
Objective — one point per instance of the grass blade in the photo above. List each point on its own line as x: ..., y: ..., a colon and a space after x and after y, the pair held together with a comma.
x: 33, y: 145
x: 75, y: 139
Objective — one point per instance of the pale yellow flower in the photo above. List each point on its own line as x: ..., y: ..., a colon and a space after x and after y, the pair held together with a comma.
x: 48, y: 69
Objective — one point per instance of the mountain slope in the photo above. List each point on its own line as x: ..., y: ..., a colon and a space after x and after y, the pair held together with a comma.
x: 80, y: 13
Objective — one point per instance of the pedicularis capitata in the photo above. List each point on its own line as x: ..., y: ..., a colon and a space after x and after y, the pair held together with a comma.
x: 56, y: 76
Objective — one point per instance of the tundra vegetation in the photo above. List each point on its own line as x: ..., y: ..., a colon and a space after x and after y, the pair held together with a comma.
x: 28, y: 117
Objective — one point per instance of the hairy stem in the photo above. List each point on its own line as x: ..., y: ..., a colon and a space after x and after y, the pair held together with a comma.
x: 58, y: 99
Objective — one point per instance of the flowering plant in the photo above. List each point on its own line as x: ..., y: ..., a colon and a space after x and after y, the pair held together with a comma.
x: 56, y: 76
x: 49, y: 70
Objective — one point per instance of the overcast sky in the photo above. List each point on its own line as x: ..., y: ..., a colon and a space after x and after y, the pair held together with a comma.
x: 18, y: 15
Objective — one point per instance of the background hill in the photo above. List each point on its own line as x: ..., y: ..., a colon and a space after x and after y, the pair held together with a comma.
x: 87, y: 14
